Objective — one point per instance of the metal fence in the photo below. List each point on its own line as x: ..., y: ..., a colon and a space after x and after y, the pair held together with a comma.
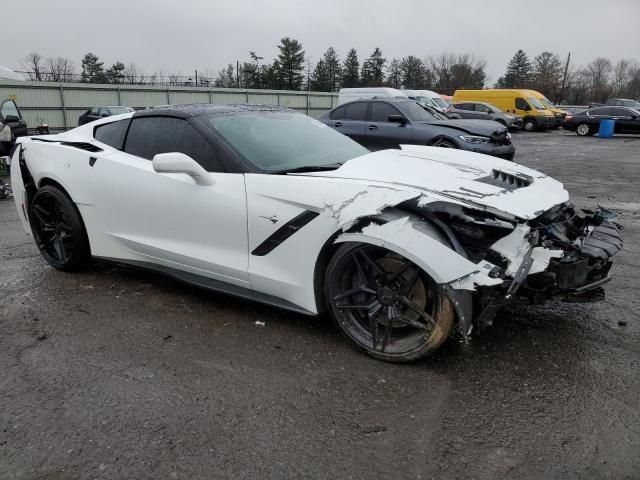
x: 60, y: 104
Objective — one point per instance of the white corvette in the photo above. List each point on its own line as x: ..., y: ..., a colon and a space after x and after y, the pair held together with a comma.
x: 400, y: 247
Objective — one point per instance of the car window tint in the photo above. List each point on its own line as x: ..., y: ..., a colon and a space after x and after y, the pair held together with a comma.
x: 356, y: 111
x: 338, y: 113
x: 380, y: 111
x: 481, y: 108
x: 620, y: 112
x: 601, y: 111
x: 521, y: 104
x: 149, y: 136
x: 94, y: 111
x: 9, y: 108
x: 112, y: 133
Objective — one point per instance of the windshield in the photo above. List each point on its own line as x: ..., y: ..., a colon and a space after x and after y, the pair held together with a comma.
x: 536, y: 103
x: 546, y: 102
x: 280, y: 141
x: 425, y: 100
x: 417, y: 113
x: 440, y: 102
x: 119, y: 110
x: 630, y: 103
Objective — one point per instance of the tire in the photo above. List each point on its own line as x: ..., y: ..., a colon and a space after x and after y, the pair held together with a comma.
x: 58, y: 230
x: 529, y: 125
x: 385, y: 305
x: 584, y: 130
x: 444, y: 143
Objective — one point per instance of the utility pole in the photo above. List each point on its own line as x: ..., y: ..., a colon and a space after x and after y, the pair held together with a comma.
x: 564, y: 78
x: 237, y: 73
x: 196, y: 78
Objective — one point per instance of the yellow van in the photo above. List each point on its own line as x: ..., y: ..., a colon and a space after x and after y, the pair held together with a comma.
x: 523, y: 103
x: 558, y: 113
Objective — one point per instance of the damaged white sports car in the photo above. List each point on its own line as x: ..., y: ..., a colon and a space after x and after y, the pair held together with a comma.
x: 401, y: 247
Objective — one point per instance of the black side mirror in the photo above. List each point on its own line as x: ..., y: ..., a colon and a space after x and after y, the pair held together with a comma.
x: 11, y: 119
x: 397, y: 119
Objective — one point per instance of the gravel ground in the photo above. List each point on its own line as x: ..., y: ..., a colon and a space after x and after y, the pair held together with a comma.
x: 117, y: 373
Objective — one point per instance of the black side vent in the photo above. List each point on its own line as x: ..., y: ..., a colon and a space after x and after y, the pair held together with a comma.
x: 505, y: 180
x: 284, y: 232
x: 81, y: 145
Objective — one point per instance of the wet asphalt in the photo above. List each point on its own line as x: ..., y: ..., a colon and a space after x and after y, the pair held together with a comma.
x: 117, y: 373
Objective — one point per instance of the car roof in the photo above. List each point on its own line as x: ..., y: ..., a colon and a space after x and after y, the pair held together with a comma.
x: 381, y: 99
x: 198, y: 109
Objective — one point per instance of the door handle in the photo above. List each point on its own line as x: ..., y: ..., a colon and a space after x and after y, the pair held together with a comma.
x: 372, y: 128
x: 337, y: 124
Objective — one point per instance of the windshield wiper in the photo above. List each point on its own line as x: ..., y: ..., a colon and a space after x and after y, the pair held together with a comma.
x: 310, y: 168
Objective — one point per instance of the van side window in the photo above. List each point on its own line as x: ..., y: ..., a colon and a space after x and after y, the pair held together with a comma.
x: 521, y: 104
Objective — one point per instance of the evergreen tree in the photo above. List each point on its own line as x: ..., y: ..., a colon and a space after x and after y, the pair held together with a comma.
x: 413, y: 72
x: 321, y: 79
x: 334, y: 70
x: 547, y: 73
x: 115, y: 74
x: 92, y: 69
x: 373, y: 69
x: 394, y: 73
x: 519, y: 72
x: 351, y: 69
x: 290, y: 64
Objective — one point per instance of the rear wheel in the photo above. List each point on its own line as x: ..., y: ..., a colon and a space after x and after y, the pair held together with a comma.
x: 385, y: 304
x: 58, y: 229
x: 584, y: 129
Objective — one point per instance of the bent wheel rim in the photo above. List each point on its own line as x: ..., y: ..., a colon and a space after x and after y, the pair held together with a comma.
x: 385, y: 303
x: 52, y: 228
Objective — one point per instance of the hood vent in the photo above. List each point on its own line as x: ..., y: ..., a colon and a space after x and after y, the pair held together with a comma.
x: 508, y: 181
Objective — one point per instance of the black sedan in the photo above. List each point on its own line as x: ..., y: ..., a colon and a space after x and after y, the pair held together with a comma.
x: 387, y: 123
x: 95, y: 113
x: 587, y: 122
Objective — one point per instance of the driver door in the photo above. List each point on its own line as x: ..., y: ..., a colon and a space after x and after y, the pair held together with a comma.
x: 168, y: 219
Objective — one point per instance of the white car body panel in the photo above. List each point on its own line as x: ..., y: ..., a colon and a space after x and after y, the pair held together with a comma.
x: 132, y: 213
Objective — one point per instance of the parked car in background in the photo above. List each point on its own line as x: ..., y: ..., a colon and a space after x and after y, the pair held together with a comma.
x: 12, y: 125
x: 429, y: 98
x: 388, y: 123
x: 623, y: 102
x: 522, y: 103
x: 483, y: 111
x: 627, y: 120
x: 350, y: 94
x: 94, y: 113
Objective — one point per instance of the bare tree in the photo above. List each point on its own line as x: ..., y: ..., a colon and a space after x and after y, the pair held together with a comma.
x: 60, y: 69
x: 33, y: 63
x: 599, y: 73
x: 621, y: 76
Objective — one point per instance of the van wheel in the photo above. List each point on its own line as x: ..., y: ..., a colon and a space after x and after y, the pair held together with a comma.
x: 584, y: 129
x: 529, y: 125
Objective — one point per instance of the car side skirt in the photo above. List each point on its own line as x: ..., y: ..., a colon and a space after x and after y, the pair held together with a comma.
x: 211, y: 284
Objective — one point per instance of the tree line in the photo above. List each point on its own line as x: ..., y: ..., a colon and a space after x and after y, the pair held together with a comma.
x: 291, y: 69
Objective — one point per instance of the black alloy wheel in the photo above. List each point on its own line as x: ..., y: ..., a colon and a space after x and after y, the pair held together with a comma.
x: 385, y: 304
x: 58, y: 229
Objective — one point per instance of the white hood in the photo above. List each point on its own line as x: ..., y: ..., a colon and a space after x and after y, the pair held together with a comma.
x: 466, y: 176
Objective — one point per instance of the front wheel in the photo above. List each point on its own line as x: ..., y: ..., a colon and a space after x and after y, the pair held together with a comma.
x: 58, y: 229
x: 529, y: 125
x: 385, y: 304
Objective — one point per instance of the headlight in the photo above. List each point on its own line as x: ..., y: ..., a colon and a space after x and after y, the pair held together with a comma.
x: 508, y: 135
x: 5, y: 133
x: 474, y: 139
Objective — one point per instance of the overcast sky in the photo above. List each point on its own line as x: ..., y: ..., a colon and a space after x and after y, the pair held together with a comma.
x: 180, y: 36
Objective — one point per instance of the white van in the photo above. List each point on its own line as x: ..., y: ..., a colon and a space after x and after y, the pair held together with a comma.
x: 350, y: 94
x: 429, y: 98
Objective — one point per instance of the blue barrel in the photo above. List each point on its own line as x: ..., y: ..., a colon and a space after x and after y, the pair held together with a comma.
x: 606, y: 128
